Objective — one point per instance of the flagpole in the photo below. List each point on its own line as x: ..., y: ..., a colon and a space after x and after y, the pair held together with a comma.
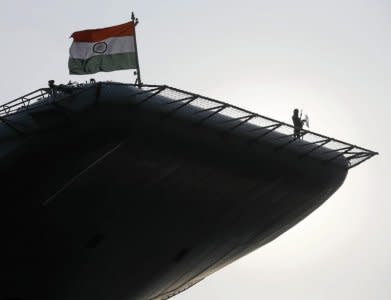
x: 135, y: 22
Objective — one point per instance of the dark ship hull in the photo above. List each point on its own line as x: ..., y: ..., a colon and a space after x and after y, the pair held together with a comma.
x: 110, y: 196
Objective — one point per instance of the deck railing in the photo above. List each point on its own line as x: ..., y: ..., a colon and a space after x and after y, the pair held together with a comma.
x: 206, y: 109
x: 23, y: 102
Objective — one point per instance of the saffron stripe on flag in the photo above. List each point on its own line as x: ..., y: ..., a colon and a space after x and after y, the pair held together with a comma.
x: 96, y: 35
x: 84, y: 50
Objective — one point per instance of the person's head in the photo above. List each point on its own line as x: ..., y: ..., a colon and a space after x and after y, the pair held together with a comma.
x: 295, y: 112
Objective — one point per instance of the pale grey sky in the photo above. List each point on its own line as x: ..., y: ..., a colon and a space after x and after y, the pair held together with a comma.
x: 331, y: 58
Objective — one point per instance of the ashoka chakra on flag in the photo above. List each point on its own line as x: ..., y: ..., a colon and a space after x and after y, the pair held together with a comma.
x: 103, y: 50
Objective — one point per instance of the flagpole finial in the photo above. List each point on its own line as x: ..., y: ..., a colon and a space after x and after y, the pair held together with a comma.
x: 134, y: 19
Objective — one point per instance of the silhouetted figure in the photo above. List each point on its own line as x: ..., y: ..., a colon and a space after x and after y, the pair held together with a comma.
x: 52, y: 87
x: 51, y: 84
x: 297, y: 123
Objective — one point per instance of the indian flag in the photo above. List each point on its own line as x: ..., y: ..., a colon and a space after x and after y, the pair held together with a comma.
x: 103, y: 50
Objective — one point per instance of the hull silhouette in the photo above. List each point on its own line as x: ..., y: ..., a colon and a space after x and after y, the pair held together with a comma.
x: 107, y: 195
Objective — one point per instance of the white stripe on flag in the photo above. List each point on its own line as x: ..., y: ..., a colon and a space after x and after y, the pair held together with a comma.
x: 114, y: 45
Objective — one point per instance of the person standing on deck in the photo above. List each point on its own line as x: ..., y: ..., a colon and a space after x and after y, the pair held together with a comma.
x: 297, y: 123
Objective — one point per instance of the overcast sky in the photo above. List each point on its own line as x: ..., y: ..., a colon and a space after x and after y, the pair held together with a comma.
x: 330, y: 58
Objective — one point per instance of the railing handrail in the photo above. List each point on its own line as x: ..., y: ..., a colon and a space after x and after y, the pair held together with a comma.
x: 348, y: 150
x: 23, y: 101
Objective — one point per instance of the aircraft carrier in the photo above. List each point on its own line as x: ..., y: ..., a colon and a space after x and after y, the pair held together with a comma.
x: 116, y: 191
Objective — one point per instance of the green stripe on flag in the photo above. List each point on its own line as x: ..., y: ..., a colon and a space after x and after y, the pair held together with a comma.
x: 102, y: 63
